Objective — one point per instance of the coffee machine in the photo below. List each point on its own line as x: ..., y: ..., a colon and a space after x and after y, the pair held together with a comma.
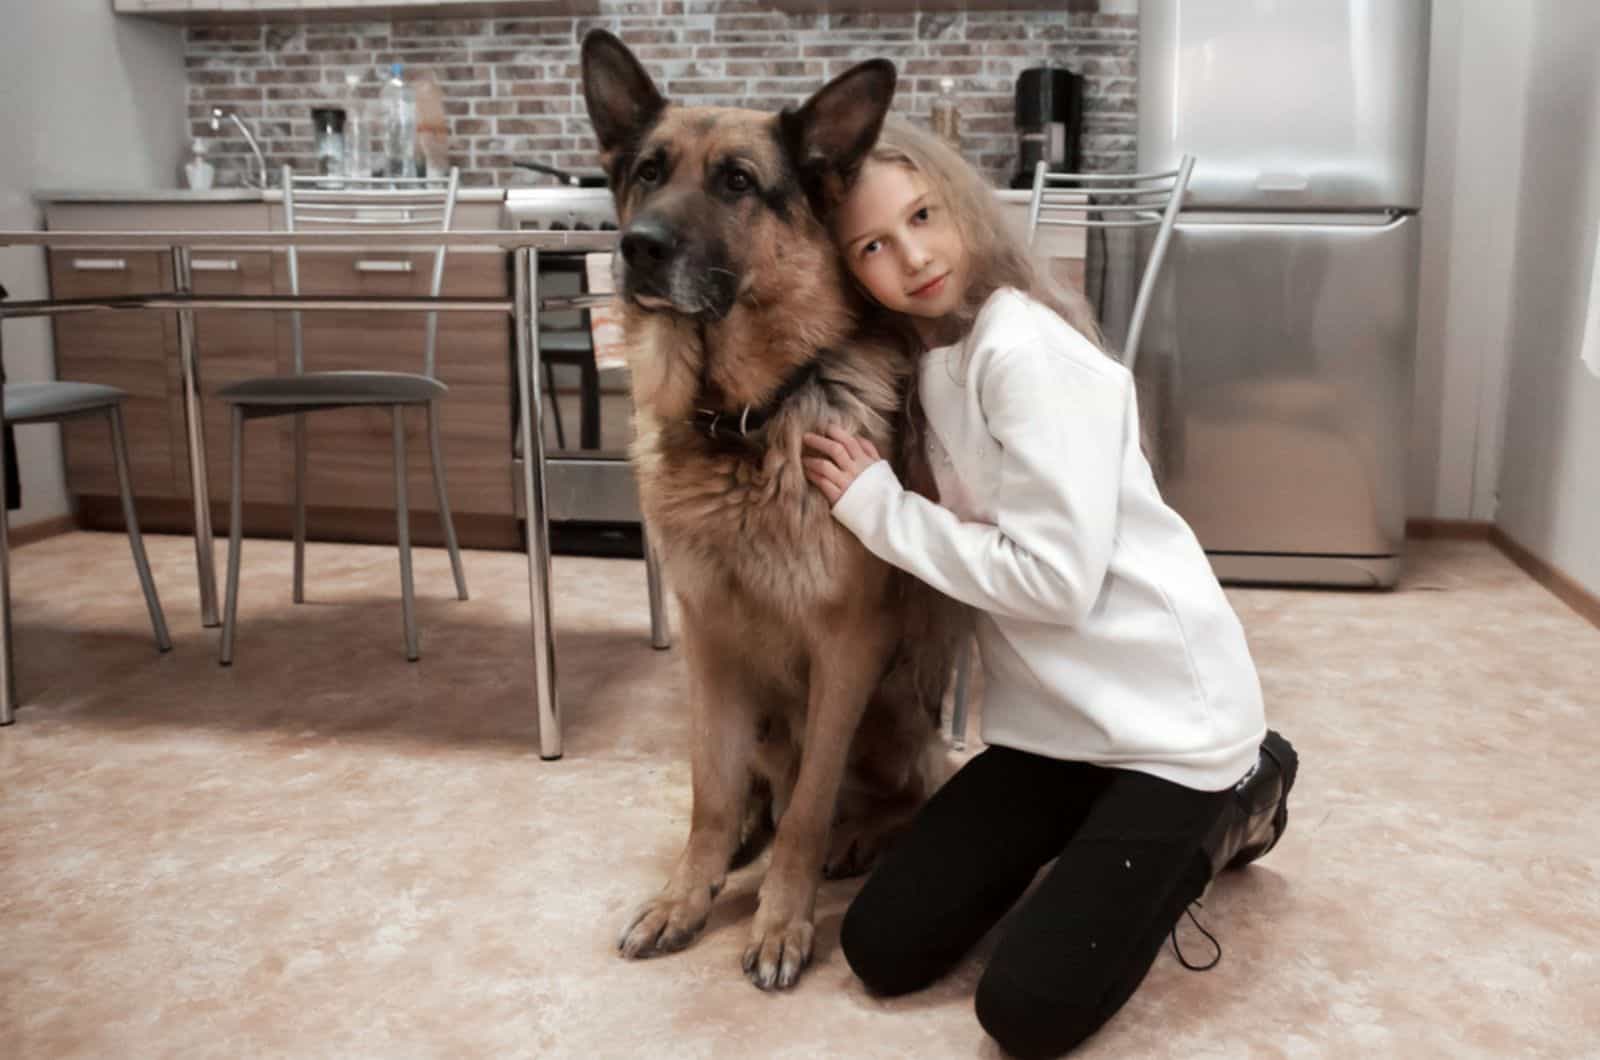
x: 1049, y: 121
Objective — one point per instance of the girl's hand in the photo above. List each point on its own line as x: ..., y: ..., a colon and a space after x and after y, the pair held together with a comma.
x: 843, y: 457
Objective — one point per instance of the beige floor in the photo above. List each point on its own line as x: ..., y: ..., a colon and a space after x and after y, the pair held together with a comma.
x: 325, y: 851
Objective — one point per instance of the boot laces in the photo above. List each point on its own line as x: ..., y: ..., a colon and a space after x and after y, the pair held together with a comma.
x: 1189, y: 912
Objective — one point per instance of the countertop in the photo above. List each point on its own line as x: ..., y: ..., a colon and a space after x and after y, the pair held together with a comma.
x: 391, y: 238
x: 184, y: 195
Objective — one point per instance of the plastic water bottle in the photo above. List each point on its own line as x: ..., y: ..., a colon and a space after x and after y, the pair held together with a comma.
x: 356, y: 130
x: 398, y: 102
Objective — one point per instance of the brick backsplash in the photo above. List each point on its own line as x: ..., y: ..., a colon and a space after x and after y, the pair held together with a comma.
x: 511, y: 84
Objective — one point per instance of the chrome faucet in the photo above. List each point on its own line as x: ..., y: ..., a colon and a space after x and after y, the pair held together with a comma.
x: 218, y: 116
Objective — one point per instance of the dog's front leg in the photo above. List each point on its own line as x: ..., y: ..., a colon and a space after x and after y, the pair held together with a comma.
x: 721, y: 742
x: 845, y: 666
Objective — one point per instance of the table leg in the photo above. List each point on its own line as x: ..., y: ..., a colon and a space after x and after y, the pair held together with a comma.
x: 531, y: 424
x: 195, y: 437
x: 8, y: 674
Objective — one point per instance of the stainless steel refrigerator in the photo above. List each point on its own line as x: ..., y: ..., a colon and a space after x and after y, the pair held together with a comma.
x: 1280, y: 347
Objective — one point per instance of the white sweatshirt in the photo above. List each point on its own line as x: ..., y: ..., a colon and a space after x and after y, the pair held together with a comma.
x: 1104, y: 634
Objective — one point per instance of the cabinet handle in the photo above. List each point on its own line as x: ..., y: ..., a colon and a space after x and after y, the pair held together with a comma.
x: 100, y: 264
x: 366, y: 265
x: 214, y: 265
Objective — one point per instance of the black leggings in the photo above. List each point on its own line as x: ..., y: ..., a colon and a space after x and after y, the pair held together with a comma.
x: 1129, y: 860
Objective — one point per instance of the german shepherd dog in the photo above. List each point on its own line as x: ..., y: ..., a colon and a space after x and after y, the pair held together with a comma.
x: 816, y: 670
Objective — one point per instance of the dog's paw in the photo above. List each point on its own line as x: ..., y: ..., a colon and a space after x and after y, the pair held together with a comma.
x: 665, y: 924
x: 776, y: 956
x: 853, y: 848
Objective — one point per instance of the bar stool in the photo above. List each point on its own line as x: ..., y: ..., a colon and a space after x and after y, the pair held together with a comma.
x: 51, y: 403
x: 1095, y: 200
x: 419, y: 203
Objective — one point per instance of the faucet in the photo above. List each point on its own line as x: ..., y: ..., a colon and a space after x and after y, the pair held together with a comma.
x: 218, y: 115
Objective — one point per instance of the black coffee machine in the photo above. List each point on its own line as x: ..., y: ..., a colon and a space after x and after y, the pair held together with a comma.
x: 1049, y: 121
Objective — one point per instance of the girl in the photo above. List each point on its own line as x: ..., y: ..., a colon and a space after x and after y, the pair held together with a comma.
x: 1121, y: 707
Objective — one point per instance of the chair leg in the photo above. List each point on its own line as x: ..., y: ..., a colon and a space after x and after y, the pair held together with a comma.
x: 230, y: 607
x: 436, y: 453
x: 958, y: 710
x: 152, y: 602
x: 402, y: 517
x: 8, y: 663
x: 660, y: 629
x: 555, y: 406
x: 589, y: 403
x: 299, y: 508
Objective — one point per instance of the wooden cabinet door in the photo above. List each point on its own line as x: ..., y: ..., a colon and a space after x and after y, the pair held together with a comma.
x: 236, y: 345
x: 350, y: 461
x: 131, y: 350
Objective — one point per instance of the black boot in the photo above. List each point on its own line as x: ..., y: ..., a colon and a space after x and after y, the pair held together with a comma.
x: 1257, y: 814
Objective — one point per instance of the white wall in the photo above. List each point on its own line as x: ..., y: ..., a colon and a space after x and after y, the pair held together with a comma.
x: 1549, y: 472
x: 87, y: 99
x: 1477, y: 103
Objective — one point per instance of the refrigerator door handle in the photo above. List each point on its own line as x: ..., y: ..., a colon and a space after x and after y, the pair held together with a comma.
x: 1282, y: 182
x: 1376, y: 221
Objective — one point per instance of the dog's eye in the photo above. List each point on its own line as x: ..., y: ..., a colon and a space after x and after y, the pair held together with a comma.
x: 649, y: 171
x: 738, y: 181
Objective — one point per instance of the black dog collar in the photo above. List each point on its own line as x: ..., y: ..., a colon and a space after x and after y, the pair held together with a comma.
x: 739, y: 426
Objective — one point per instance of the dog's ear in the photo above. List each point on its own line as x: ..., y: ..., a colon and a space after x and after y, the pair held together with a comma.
x: 830, y: 135
x: 621, y: 98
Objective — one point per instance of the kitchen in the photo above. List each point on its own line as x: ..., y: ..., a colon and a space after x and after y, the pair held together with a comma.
x: 105, y: 107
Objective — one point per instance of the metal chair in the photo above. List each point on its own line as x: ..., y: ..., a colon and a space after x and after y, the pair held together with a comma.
x: 51, y: 403
x: 1095, y: 201
x: 426, y: 204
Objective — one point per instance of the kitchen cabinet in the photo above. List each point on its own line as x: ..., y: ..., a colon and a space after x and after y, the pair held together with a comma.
x: 236, y: 345
x: 350, y: 484
x: 134, y: 350
x: 138, y: 352
x: 350, y: 451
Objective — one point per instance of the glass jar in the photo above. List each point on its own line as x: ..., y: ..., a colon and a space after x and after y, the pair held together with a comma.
x: 328, y: 123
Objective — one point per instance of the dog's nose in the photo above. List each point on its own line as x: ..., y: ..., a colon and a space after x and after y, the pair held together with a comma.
x: 647, y: 241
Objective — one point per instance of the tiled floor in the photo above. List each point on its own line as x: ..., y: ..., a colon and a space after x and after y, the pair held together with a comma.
x: 326, y: 851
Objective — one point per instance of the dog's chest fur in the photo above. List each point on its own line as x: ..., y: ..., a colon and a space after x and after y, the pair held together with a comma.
x: 738, y: 524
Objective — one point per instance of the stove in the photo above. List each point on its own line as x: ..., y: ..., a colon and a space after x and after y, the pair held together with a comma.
x: 556, y: 209
x: 591, y: 496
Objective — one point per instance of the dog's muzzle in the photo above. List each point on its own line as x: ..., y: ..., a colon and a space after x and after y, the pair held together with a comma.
x: 662, y: 271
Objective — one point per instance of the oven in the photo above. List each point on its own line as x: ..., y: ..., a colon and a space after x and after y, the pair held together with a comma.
x: 591, y: 496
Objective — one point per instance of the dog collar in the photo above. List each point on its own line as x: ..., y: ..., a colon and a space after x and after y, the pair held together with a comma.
x: 736, y: 426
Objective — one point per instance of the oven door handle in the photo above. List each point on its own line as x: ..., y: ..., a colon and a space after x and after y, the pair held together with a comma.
x: 574, y: 301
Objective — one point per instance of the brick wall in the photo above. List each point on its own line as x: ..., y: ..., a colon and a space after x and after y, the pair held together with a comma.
x: 511, y: 84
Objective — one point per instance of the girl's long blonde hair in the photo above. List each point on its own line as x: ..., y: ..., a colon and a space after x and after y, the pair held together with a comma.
x: 997, y: 256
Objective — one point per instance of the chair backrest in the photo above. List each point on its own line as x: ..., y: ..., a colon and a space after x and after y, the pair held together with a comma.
x: 367, y: 204
x: 1115, y: 200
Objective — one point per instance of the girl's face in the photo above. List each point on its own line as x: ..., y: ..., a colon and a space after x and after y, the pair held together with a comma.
x: 901, y: 243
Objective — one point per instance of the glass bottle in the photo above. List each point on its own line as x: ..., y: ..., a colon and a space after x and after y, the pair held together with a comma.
x: 947, y: 114
x: 329, y: 123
